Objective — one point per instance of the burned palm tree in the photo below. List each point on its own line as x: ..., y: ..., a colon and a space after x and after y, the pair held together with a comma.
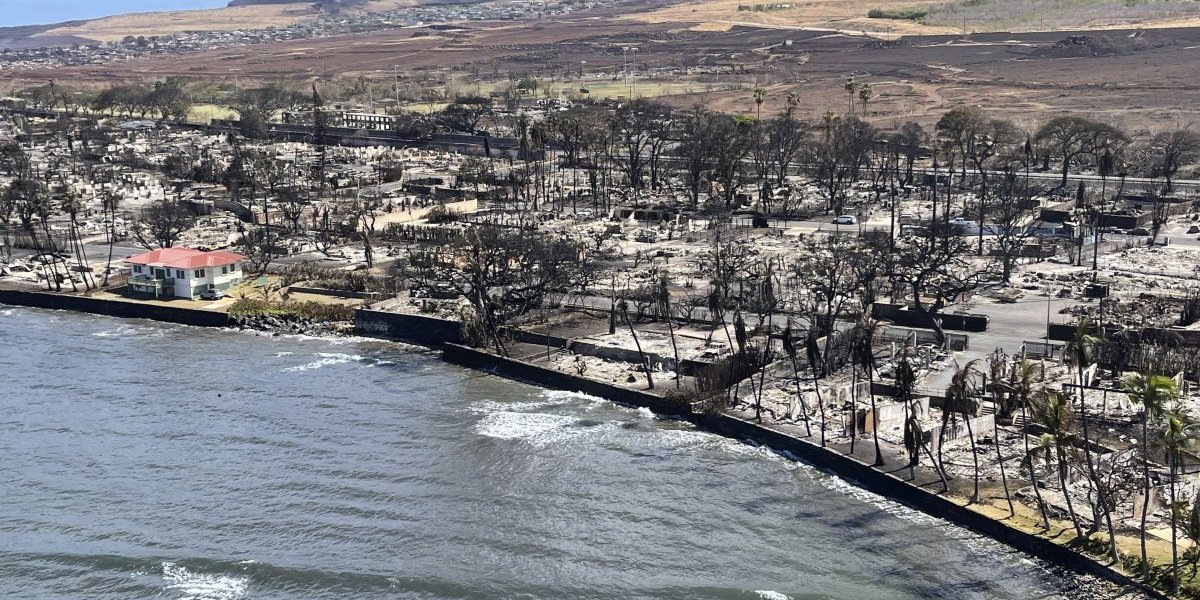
x: 1022, y: 381
x: 662, y: 297
x: 813, y: 353
x: 997, y: 366
x: 862, y: 349
x: 624, y: 307
x: 914, y: 437
x: 789, y: 348
x: 1081, y: 356
x: 960, y: 400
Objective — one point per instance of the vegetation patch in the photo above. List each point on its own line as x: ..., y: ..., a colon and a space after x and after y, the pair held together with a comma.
x: 764, y: 7
x: 313, y: 311
x: 900, y: 14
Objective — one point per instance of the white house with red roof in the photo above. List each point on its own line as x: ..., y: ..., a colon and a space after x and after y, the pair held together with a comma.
x: 184, y: 272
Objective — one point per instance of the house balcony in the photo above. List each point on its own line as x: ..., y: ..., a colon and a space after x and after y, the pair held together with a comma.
x: 152, y: 286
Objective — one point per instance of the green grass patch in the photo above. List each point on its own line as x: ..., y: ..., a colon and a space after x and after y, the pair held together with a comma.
x: 900, y: 14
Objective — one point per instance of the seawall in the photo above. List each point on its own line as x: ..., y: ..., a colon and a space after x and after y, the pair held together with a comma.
x: 115, y: 308
x: 413, y: 329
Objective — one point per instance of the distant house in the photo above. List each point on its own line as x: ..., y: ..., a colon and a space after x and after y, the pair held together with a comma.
x: 183, y: 272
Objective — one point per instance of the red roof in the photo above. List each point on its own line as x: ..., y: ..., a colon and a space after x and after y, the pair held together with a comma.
x: 185, y: 258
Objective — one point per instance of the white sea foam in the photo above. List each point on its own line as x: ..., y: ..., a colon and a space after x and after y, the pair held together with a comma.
x: 772, y: 595
x: 538, y: 429
x: 327, y: 359
x: 186, y: 585
x: 141, y: 331
x: 895, y: 509
x: 548, y: 398
x: 563, y: 395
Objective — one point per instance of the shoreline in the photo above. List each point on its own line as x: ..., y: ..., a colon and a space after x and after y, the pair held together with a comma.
x: 397, y: 328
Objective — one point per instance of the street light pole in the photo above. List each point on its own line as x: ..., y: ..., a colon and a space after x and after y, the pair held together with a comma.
x: 625, y: 50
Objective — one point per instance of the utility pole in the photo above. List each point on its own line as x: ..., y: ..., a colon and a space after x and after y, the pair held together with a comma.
x: 396, y: 83
x: 625, y: 56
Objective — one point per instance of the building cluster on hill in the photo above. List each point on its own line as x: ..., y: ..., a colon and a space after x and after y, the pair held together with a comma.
x: 436, y: 16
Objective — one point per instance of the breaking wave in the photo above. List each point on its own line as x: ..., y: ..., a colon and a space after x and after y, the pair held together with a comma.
x: 188, y: 585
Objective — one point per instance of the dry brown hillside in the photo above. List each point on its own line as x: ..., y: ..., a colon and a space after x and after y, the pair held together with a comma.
x: 218, y: 19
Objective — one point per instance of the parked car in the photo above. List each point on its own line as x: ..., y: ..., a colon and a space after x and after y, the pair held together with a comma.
x: 1139, y: 231
x: 212, y: 294
x: 1113, y: 230
x: 845, y: 220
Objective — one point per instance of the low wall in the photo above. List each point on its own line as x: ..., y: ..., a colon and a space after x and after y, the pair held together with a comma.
x: 520, y: 370
x: 685, y: 367
x: 115, y: 308
x: 539, y: 339
x: 328, y: 292
x: 913, y: 318
x: 413, y: 329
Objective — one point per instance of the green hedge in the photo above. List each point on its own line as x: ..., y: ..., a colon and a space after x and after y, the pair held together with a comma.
x: 901, y: 14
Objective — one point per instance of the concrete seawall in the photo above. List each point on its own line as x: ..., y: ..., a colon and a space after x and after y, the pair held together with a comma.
x: 115, y: 308
x: 520, y: 370
x: 412, y: 329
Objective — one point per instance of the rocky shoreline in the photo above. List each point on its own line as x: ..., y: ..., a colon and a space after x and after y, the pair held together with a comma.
x: 279, y: 324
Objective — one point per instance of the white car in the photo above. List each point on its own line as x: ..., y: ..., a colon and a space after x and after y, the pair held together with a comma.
x: 845, y: 220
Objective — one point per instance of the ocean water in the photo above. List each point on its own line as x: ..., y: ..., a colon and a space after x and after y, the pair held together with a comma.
x: 145, y: 460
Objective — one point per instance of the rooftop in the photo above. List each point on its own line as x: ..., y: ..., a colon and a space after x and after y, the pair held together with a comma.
x: 185, y: 258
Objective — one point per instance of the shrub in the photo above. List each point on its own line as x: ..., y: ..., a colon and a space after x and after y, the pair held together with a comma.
x: 312, y: 311
x: 440, y: 215
x: 902, y: 14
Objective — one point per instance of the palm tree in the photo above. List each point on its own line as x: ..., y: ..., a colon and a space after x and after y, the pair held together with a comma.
x: 813, y: 353
x: 997, y: 366
x: 1022, y: 381
x: 913, y: 436
x: 1155, y: 393
x: 960, y: 400
x: 624, y: 306
x: 71, y: 204
x: 760, y: 96
x: 1080, y: 355
x: 789, y: 347
x: 851, y: 88
x: 1053, y: 411
x: 663, y: 300
x: 865, y: 93
x: 110, y: 201
x: 862, y: 348
x: 1178, y: 433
